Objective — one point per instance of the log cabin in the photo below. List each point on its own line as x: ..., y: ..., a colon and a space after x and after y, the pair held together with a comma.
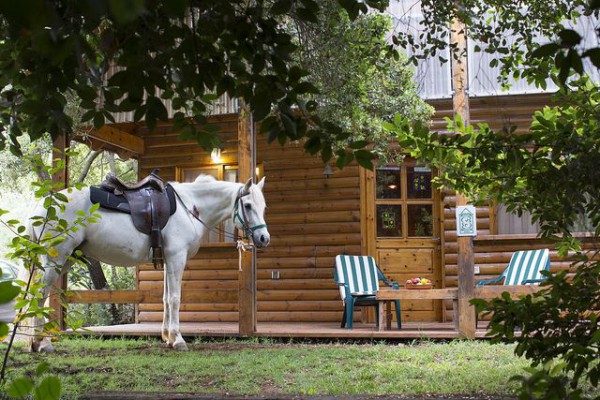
x: 392, y: 213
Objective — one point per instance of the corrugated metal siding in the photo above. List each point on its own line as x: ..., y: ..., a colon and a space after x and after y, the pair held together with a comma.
x: 434, y: 79
x: 222, y: 106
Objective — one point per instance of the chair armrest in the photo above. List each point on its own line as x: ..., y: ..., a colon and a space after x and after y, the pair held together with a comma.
x: 392, y: 284
x: 490, y: 281
x: 528, y: 281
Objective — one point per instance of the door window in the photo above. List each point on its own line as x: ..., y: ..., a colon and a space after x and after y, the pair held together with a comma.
x: 404, y: 201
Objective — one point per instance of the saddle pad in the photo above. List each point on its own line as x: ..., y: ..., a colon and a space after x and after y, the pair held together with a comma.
x: 110, y: 201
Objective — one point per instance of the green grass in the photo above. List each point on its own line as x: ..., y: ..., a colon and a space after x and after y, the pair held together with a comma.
x: 269, y: 367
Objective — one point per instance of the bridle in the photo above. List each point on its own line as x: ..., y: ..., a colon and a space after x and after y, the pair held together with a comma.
x: 242, y: 217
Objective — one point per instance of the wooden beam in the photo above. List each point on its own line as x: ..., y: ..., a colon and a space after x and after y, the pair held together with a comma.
x: 490, y: 292
x: 460, y: 100
x: 117, y: 140
x: 60, y: 179
x: 247, y: 276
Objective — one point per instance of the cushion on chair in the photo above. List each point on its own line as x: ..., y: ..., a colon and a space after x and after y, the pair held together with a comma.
x: 359, y: 273
x: 526, y: 265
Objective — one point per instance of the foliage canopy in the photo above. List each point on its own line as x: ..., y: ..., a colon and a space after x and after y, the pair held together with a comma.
x: 184, y: 51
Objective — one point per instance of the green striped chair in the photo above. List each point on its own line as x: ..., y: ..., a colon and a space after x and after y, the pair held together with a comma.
x: 524, y: 268
x: 358, y: 278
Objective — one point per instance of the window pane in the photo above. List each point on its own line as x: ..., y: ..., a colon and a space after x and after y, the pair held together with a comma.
x: 190, y: 174
x: 418, y: 182
x: 420, y: 220
x: 389, y: 221
x: 388, y: 183
x: 230, y: 175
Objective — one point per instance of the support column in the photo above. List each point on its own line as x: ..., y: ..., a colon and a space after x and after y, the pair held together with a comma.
x: 460, y: 81
x: 60, y: 179
x: 247, y: 276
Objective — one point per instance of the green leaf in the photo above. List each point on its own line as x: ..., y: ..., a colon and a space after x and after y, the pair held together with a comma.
x: 48, y: 389
x: 281, y: 7
x: 42, y: 369
x: 364, y: 158
x: 8, y: 291
x: 545, y: 51
x: 125, y: 11
x: 593, y: 55
x: 20, y: 388
x: 569, y: 37
x: 3, y: 330
x: 307, y: 15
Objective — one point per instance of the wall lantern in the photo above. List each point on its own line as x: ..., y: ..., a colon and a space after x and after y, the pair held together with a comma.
x: 215, y: 155
x: 328, y: 171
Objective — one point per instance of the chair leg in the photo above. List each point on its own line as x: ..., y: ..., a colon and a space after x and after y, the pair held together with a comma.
x: 398, y: 313
x: 376, y: 316
x: 349, y: 311
x: 344, y: 316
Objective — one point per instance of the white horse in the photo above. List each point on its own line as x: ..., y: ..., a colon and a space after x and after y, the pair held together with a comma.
x: 114, y: 240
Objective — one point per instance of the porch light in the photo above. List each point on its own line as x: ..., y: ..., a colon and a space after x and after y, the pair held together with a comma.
x: 215, y: 155
x: 328, y: 171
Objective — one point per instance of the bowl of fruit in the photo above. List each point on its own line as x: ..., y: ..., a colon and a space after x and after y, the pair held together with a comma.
x: 418, y: 283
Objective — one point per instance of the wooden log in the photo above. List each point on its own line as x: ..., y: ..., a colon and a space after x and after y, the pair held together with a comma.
x: 309, y: 184
x: 192, y: 316
x: 296, y: 284
x: 314, y: 249
x: 207, y: 307
x: 313, y: 217
x: 335, y: 193
x: 316, y: 239
x: 490, y: 292
x: 142, y: 295
x: 298, y: 295
x: 309, y: 229
x: 313, y: 206
x: 315, y: 172
x: 332, y: 305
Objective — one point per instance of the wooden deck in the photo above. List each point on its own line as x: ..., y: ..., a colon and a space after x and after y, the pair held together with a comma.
x: 313, y: 330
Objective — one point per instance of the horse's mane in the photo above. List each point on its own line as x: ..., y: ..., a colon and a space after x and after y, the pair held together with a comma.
x: 204, y: 179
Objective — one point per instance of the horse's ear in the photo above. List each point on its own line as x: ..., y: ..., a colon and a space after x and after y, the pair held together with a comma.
x: 247, y: 186
x: 261, y: 184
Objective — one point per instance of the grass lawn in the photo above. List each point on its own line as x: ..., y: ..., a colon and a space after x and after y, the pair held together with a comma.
x: 265, y: 367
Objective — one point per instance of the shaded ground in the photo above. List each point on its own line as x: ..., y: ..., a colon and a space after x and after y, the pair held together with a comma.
x: 190, y: 396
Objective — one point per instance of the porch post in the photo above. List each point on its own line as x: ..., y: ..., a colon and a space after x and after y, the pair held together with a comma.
x: 247, y: 276
x: 60, y: 179
x: 460, y: 82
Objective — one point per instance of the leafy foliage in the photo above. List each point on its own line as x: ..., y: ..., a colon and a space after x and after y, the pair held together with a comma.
x: 559, y: 330
x: 551, y: 172
x: 528, y: 39
x: 187, y: 52
x: 30, y: 250
x: 360, y: 84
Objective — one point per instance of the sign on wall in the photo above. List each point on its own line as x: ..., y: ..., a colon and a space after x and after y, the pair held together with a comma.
x: 466, y: 221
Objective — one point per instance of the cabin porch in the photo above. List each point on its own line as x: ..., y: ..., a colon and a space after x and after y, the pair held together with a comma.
x: 292, y: 330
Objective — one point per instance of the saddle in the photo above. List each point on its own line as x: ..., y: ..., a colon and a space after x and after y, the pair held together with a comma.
x: 150, y: 202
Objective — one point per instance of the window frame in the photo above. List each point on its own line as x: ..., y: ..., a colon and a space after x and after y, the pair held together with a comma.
x: 405, y: 202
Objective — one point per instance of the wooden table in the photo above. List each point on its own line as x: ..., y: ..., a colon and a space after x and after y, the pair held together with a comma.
x: 387, y: 295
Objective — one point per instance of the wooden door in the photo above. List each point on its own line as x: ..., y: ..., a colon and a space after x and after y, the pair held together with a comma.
x: 401, y: 228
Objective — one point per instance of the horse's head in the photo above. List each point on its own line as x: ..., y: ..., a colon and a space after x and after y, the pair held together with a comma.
x: 249, y: 213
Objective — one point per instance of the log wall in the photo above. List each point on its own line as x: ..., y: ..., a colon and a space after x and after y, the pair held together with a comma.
x: 311, y: 219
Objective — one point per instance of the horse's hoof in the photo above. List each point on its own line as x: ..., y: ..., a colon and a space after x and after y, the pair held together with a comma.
x: 181, y: 346
x: 44, y: 348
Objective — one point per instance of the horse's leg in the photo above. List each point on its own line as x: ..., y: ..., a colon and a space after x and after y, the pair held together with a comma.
x: 174, y: 274
x: 166, y: 308
x: 51, y: 275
